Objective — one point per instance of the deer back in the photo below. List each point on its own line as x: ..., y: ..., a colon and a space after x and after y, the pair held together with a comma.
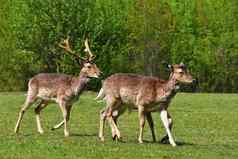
x: 133, y: 89
x: 51, y: 86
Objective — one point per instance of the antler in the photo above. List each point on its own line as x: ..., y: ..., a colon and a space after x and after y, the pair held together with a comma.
x: 87, y: 49
x: 65, y: 45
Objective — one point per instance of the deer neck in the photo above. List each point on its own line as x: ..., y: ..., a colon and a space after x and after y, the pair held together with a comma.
x: 170, y: 88
x: 79, y: 83
x: 171, y: 84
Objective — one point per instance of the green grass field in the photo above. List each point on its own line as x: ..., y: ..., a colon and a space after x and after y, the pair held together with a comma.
x: 205, y: 126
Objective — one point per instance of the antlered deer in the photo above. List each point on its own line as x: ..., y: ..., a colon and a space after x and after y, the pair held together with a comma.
x: 143, y: 93
x: 60, y: 88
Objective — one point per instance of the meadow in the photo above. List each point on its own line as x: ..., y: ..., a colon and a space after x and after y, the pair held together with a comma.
x: 205, y: 127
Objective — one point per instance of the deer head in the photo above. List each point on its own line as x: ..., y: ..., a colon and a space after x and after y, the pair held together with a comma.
x: 181, y: 73
x: 88, y: 67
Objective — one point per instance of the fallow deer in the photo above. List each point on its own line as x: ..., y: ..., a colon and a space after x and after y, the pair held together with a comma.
x: 144, y: 94
x: 60, y: 88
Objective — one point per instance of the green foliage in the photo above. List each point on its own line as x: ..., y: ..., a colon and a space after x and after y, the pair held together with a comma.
x: 126, y: 35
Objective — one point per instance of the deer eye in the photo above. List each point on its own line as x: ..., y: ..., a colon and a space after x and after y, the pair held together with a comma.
x: 89, y: 67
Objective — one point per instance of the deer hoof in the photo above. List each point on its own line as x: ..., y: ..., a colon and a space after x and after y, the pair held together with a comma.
x: 41, y: 131
x: 140, y: 141
x: 66, y: 134
x: 16, y: 131
x: 101, y: 139
x: 174, y: 145
x: 116, y: 138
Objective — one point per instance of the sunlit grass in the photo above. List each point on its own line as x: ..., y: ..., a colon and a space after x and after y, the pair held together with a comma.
x: 205, y: 126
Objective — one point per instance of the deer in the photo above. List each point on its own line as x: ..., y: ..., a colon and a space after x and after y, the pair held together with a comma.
x: 145, y: 94
x: 59, y: 88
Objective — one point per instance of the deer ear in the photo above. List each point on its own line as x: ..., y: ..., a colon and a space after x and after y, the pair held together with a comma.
x: 81, y: 63
x: 170, y: 67
x: 182, y: 65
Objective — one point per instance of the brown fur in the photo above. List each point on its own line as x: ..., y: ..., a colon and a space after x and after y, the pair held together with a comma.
x: 143, y: 93
x: 60, y: 88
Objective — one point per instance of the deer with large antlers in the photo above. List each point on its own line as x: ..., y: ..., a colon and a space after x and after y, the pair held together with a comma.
x: 144, y: 94
x: 60, y: 88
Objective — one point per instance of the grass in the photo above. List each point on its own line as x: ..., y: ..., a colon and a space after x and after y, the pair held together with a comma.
x: 205, y: 126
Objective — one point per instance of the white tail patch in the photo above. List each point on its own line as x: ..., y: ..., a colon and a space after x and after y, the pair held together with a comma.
x: 101, y: 95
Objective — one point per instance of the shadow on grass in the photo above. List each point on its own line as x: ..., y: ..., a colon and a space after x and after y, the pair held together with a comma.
x: 22, y: 135
x: 179, y: 143
x: 182, y: 143
x: 84, y: 135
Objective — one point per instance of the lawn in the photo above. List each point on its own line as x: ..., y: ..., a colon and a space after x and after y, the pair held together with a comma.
x: 205, y: 126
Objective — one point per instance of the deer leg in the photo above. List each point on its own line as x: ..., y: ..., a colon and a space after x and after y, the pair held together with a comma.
x: 38, y: 109
x: 57, y: 126
x: 66, y: 114
x: 107, y: 114
x: 165, y: 120
x: 113, y: 121
x: 68, y: 109
x: 165, y: 139
x: 141, y: 116
x: 151, y: 125
x: 60, y: 124
x: 114, y: 117
x: 116, y: 114
x: 29, y: 101
x: 115, y: 131
x: 102, y: 124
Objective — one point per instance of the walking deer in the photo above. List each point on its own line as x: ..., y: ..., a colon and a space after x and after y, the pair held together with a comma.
x: 142, y: 93
x: 60, y: 88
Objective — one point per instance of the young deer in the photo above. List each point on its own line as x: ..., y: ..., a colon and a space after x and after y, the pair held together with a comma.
x: 60, y: 88
x: 143, y: 93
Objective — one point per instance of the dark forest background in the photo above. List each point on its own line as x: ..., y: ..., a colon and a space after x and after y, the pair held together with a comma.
x: 137, y: 36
